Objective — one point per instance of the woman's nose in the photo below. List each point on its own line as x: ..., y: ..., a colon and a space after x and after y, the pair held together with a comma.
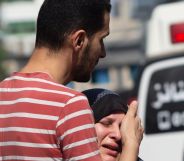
x: 115, y: 133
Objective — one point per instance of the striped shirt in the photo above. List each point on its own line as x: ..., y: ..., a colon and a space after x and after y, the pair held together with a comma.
x: 41, y: 120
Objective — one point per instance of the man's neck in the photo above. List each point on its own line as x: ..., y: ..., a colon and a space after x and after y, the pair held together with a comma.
x: 57, y: 65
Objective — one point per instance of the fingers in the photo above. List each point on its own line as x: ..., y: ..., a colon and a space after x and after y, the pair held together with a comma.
x: 140, y: 129
x: 132, y: 112
x: 132, y: 109
x: 138, y: 121
x: 141, y: 132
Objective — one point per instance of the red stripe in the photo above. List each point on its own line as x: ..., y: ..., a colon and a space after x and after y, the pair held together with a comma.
x: 30, y: 108
x: 28, y: 151
x: 28, y: 122
x: 28, y: 137
x: 60, y: 112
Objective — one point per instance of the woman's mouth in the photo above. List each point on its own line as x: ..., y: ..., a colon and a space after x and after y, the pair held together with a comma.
x: 111, y: 150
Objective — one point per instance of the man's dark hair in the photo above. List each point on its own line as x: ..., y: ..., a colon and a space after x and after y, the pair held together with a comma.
x: 58, y: 18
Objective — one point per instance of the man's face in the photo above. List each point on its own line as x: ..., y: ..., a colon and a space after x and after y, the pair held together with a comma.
x: 91, y: 54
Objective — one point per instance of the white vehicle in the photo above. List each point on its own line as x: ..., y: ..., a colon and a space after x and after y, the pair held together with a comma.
x: 161, y: 88
x: 165, y: 30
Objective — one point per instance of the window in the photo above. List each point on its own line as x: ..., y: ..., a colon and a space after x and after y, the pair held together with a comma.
x: 100, y: 76
x: 70, y: 85
x: 20, y: 27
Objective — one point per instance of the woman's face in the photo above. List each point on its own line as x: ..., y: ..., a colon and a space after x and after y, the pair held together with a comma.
x: 109, y: 137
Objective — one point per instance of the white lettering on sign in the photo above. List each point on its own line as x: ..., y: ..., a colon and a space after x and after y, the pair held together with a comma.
x: 168, y: 92
x: 166, y: 120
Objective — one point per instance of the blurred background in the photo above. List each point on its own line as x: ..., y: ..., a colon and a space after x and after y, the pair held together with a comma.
x: 125, y: 45
x: 145, y: 61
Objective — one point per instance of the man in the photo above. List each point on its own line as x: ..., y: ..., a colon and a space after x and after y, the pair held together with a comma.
x: 40, y: 118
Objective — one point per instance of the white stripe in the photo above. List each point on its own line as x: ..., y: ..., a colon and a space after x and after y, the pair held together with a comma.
x: 29, y: 130
x: 86, y: 141
x: 25, y: 144
x: 30, y: 158
x: 31, y: 100
x: 34, y: 80
x: 75, y: 114
x: 88, y: 155
x: 34, y: 89
x: 75, y: 99
x: 29, y: 115
x: 87, y: 126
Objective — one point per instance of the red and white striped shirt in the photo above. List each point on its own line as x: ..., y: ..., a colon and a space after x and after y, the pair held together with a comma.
x: 41, y: 120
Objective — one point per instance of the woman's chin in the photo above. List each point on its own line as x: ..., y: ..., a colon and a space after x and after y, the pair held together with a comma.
x: 106, y: 157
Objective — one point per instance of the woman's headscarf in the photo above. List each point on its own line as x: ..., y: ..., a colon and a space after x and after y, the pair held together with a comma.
x: 104, y: 102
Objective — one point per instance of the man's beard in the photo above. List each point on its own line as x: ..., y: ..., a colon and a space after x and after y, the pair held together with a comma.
x: 81, y: 73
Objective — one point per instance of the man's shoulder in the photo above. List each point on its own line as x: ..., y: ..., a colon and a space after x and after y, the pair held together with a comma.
x: 74, y: 94
x: 72, y: 91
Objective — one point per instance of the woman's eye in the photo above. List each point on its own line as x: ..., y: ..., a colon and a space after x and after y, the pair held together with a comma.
x: 106, y: 123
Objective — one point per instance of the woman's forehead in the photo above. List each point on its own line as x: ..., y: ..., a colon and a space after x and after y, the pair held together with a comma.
x: 115, y: 115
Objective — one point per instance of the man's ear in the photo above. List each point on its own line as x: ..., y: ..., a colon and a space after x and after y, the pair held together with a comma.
x: 78, y: 39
